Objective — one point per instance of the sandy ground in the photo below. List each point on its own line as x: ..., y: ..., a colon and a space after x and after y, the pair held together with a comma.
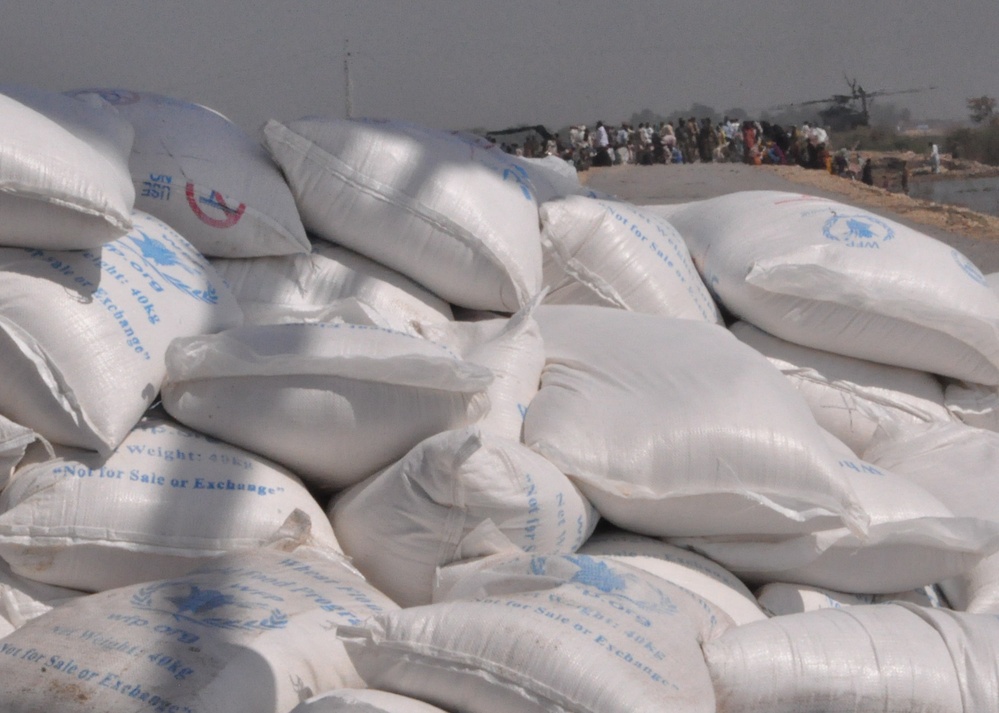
x: 974, y: 234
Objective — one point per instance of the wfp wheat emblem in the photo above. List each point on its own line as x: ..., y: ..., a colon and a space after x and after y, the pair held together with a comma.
x: 858, y: 231
x: 186, y: 601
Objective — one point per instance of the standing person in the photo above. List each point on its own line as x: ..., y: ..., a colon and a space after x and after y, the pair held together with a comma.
x: 867, y: 174
x: 935, y: 157
x: 690, y: 145
x: 706, y: 141
x: 602, y: 155
x: 905, y: 178
x: 748, y: 140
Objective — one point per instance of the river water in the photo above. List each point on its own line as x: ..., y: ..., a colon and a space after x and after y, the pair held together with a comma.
x: 979, y: 194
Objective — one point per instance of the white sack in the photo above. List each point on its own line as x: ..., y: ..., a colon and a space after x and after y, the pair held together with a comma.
x: 448, y: 210
x: 973, y: 404
x: 673, y: 427
x: 853, y: 399
x: 22, y: 599
x: 522, y: 634
x: 551, y: 177
x: 913, y: 540
x: 335, y: 403
x: 206, y: 177
x: 14, y: 442
x: 456, y: 495
x: 64, y: 180
x: 861, y: 659
x: 959, y: 464
x: 250, y: 631
x: 781, y: 598
x: 614, y: 254
x: 165, y: 500
x: 83, y: 333
x: 512, y: 349
x: 681, y: 567
x: 834, y: 277
x: 363, y: 700
x: 305, y: 288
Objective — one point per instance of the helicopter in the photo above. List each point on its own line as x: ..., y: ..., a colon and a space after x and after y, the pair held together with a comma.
x: 849, y: 111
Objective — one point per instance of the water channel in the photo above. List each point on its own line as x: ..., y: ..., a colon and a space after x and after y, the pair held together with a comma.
x: 980, y: 194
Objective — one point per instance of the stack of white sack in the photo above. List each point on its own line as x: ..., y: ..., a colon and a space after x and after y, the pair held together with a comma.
x: 834, y: 277
x: 516, y: 633
x: 333, y: 402
x: 249, y: 631
x: 398, y: 391
x: 458, y: 495
x: 64, y: 180
x: 611, y: 253
x: 854, y: 399
x: 163, y: 502
x: 450, y: 211
x: 913, y: 540
x: 863, y: 659
x: 329, y: 284
x: 959, y: 465
x: 83, y: 333
x: 205, y: 177
x: 673, y: 427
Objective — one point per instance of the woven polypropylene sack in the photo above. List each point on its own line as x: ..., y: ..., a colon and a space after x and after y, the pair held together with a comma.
x: 84, y: 333
x: 165, y: 500
x: 673, y: 426
x: 913, y: 540
x: 612, y: 253
x: 839, y: 278
x: 456, y: 495
x: 250, y: 631
x: 863, y: 659
x: 206, y: 177
x: 854, y: 399
x: 333, y: 402
x: 307, y: 287
x: 521, y: 633
x: 64, y: 180
x: 447, y: 209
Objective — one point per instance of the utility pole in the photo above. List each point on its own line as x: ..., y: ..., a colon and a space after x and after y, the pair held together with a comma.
x: 348, y: 88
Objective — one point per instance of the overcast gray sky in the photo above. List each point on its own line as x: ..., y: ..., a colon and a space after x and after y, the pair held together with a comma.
x: 473, y: 63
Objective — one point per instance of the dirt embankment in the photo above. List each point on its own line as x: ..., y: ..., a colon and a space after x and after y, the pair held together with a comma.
x: 888, y: 170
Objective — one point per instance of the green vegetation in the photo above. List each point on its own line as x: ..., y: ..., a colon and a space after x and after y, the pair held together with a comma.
x: 976, y: 144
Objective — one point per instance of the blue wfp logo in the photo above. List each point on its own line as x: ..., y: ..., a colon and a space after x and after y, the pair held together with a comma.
x: 969, y: 268
x: 858, y: 231
x: 185, y: 601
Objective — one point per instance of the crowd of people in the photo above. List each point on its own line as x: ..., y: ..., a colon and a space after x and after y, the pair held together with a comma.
x: 685, y: 141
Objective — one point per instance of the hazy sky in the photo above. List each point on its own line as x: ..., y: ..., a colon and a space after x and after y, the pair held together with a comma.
x: 472, y: 63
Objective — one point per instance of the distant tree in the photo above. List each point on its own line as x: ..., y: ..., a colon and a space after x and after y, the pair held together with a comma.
x: 698, y: 111
x: 982, y: 109
x: 703, y: 111
x: 646, y: 116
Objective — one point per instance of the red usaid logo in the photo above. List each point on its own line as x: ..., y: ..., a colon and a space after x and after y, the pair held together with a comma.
x: 212, y: 209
